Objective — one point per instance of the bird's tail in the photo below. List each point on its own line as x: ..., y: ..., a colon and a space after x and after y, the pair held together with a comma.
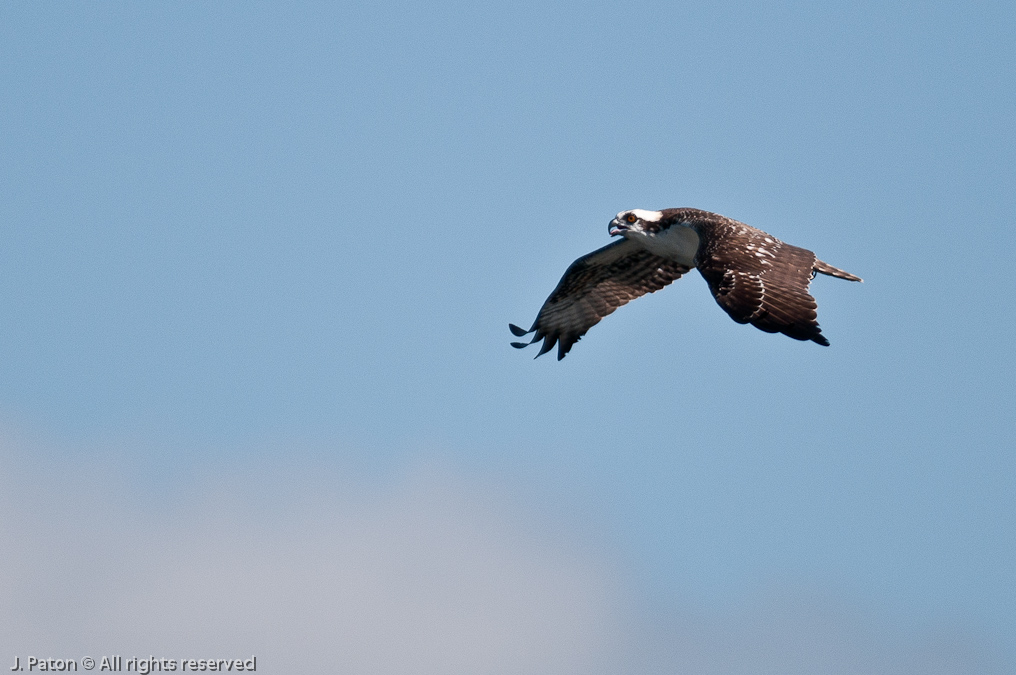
x: 826, y: 268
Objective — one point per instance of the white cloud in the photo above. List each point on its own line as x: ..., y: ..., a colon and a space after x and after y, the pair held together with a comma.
x: 424, y: 575
x: 315, y: 572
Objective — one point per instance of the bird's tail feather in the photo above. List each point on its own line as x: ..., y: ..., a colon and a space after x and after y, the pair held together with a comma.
x: 826, y: 268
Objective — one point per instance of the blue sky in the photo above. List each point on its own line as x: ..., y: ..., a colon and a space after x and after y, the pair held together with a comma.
x: 257, y: 268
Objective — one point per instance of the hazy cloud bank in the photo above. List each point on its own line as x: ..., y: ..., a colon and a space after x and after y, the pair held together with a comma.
x: 312, y: 571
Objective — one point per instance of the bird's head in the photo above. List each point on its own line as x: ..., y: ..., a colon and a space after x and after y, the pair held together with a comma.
x: 636, y: 220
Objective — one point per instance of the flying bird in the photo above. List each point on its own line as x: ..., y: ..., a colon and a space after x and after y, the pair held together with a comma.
x: 754, y: 277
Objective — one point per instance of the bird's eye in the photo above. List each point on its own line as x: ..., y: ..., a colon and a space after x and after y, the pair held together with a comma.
x: 630, y: 218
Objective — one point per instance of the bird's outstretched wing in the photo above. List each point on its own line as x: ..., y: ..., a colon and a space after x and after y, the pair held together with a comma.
x: 765, y: 282
x: 594, y: 286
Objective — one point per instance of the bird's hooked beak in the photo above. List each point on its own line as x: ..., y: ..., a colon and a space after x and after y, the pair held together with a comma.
x: 616, y: 227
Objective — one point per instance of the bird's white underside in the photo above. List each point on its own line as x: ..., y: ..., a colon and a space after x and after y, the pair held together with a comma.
x: 678, y: 242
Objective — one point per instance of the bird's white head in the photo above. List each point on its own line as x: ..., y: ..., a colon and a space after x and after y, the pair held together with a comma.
x: 633, y: 220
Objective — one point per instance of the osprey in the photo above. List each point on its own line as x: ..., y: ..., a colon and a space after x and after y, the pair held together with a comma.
x: 755, y: 277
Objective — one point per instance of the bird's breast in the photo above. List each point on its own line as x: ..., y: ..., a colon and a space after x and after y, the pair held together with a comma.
x: 679, y: 243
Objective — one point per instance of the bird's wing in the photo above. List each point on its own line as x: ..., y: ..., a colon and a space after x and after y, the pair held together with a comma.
x: 594, y: 286
x: 760, y: 280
